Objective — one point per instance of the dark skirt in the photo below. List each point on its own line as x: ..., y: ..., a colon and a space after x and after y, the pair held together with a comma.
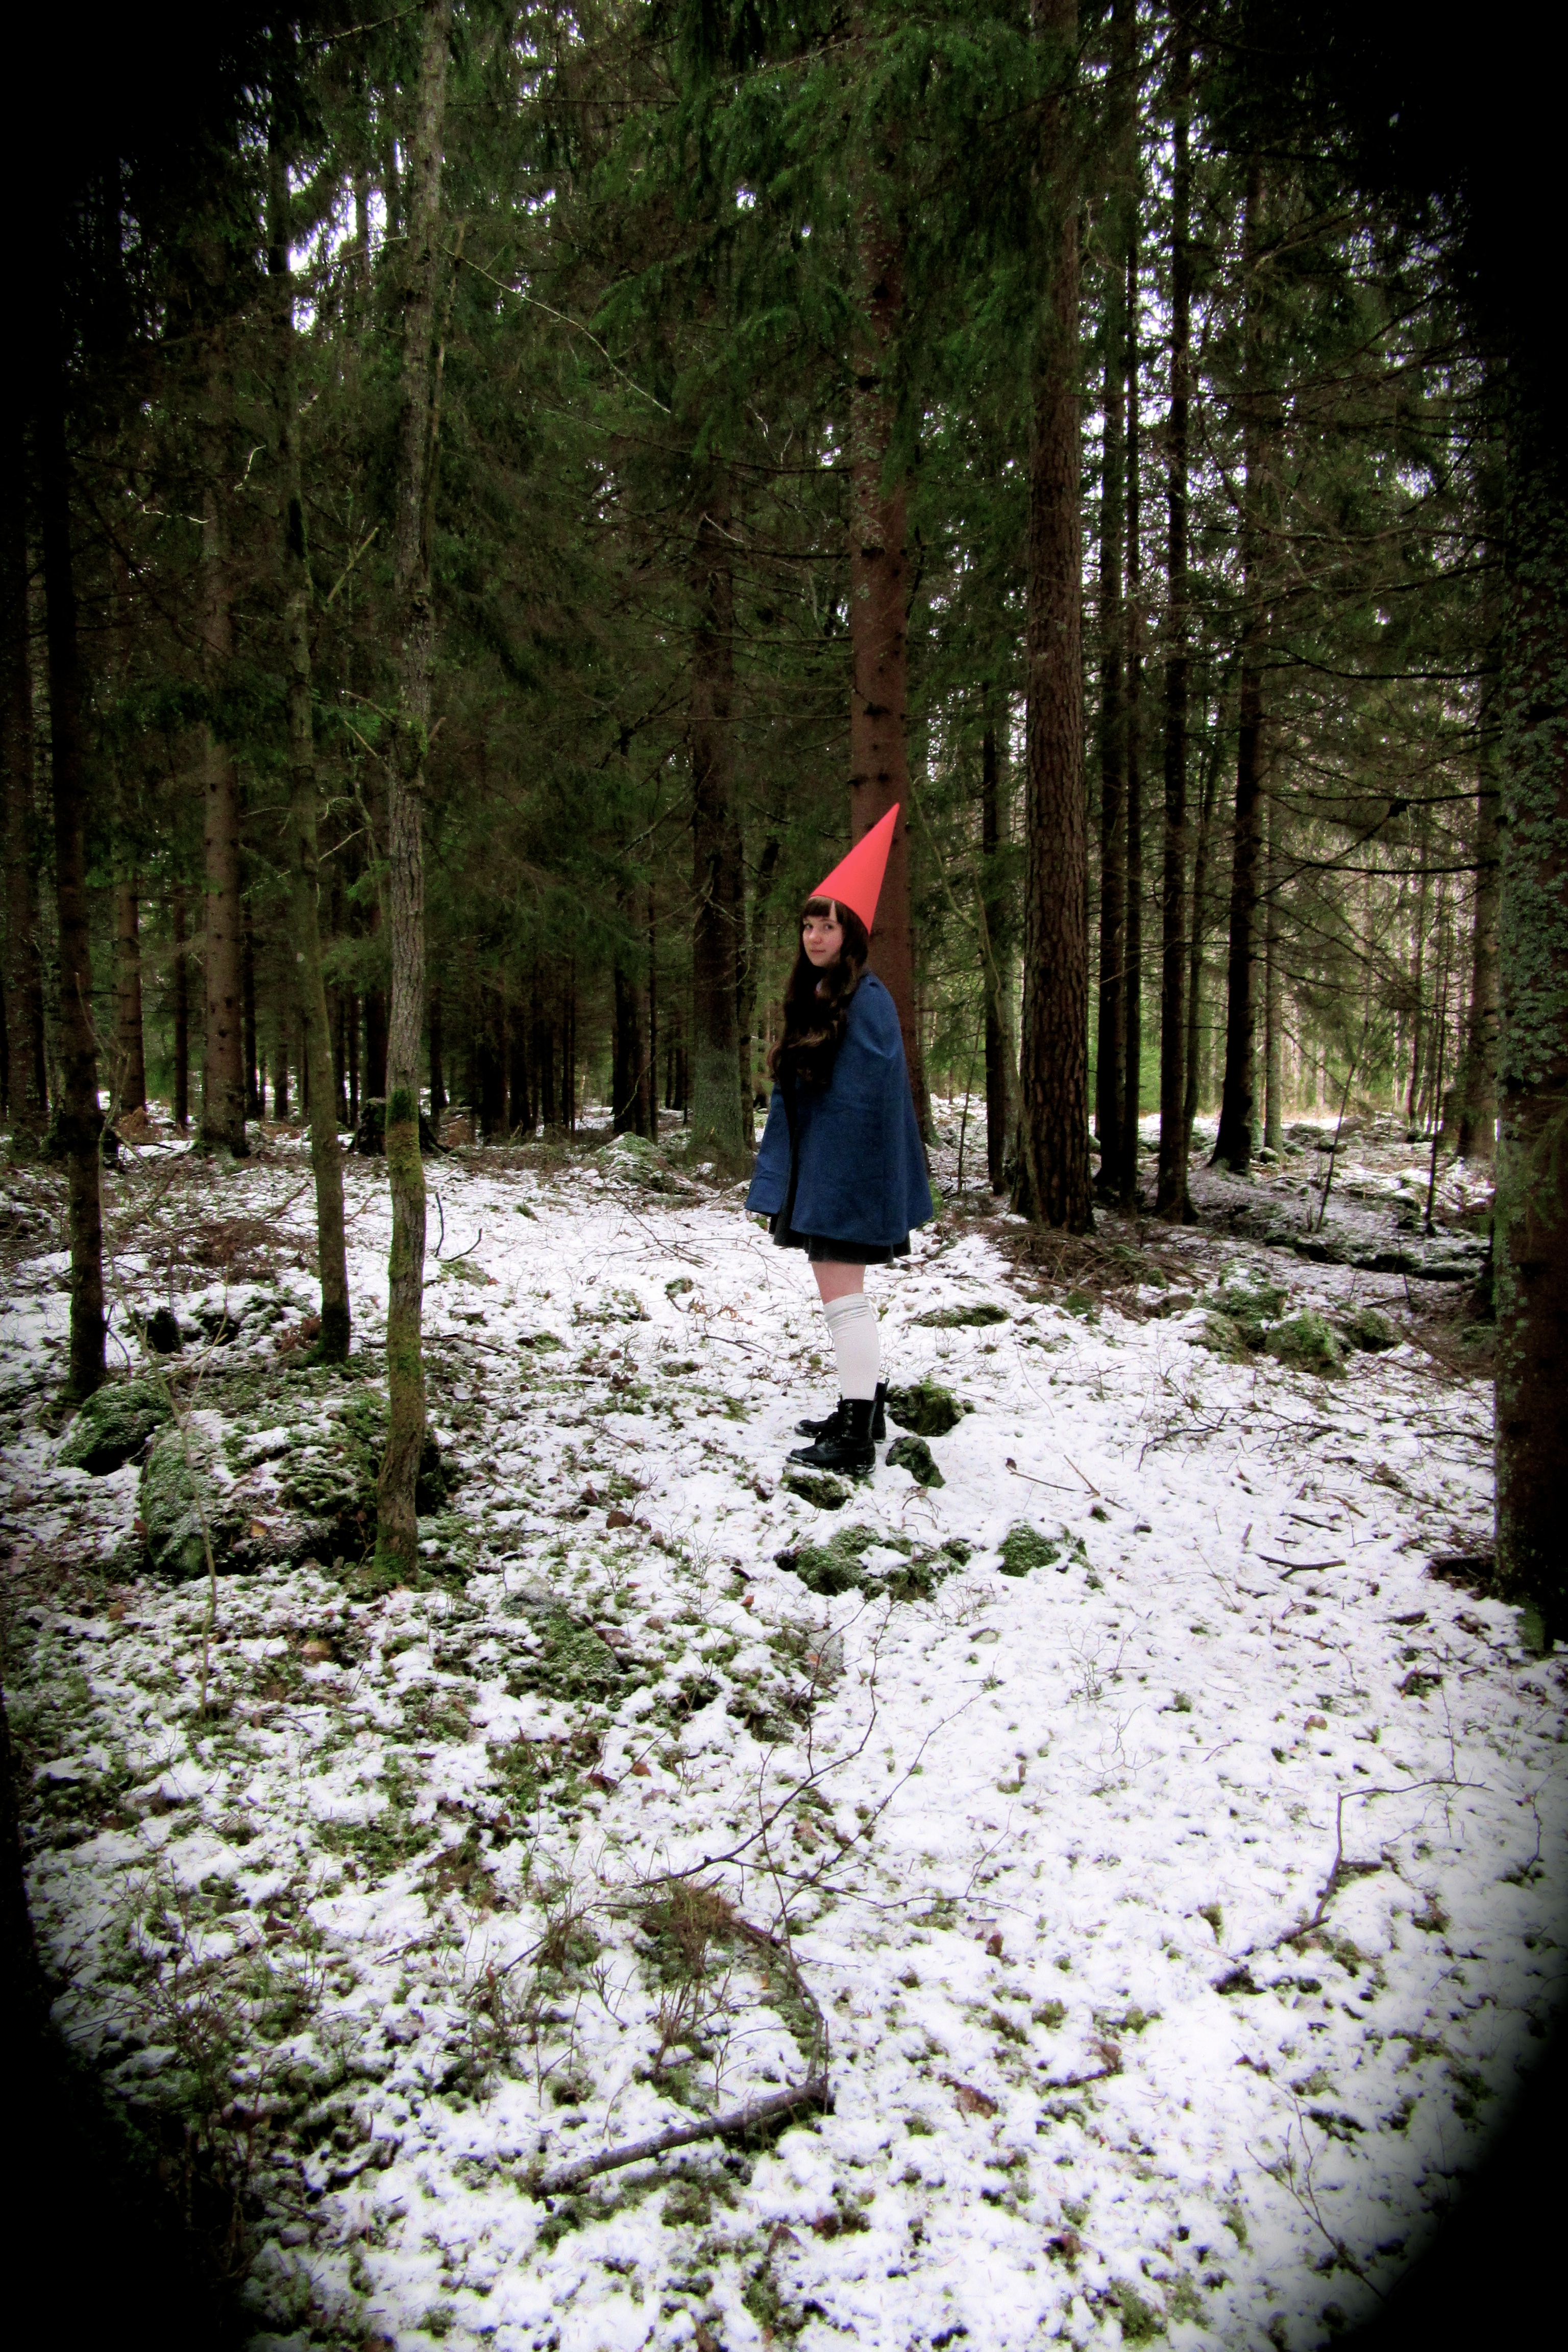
x: 820, y: 1246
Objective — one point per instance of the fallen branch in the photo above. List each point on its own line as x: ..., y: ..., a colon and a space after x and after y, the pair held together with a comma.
x: 1296, y: 1566
x: 813, y: 2092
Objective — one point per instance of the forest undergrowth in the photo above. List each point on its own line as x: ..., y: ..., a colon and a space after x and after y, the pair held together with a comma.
x: 1118, y: 1840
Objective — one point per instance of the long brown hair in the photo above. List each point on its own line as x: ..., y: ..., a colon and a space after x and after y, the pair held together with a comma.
x: 816, y: 1004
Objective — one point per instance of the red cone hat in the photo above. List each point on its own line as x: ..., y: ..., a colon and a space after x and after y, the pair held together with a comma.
x: 857, y: 882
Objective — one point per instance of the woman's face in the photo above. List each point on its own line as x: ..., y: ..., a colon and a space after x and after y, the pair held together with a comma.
x: 822, y: 937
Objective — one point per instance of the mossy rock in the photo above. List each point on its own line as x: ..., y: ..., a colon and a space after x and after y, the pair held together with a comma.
x: 957, y: 1319
x: 311, y: 1494
x: 835, y: 1566
x: 1223, y: 1337
x: 1308, y: 1343
x: 1023, y: 1548
x: 1369, y: 1329
x: 182, y: 1464
x: 1251, y: 1307
x: 926, y: 1409
x: 114, y: 1424
x: 913, y: 1455
x: 817, y: 1486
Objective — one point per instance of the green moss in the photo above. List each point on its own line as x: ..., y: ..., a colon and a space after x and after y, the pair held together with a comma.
x: 1222, y: 1336
x: 835, y: 1566
x: 926, y: 1409
x: 114, y: 1424
x: 955, y: 1318
x: 1308, y: 1343
x: 913, y: 1455
x: 1369, y: 1329
x: 570, y: 1662
x: 1023, y: 1548
x: 816, y: 1486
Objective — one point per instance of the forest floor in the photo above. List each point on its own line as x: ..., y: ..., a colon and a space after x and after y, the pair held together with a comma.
x: 1155, y: 1851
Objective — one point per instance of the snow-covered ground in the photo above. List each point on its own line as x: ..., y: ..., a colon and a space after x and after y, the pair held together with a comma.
x: 1174, y: 1912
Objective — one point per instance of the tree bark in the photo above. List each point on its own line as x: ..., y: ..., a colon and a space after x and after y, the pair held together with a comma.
x: 437, y: 1067
x: 79, y: 1121
x: 1111, y: 1044
x: 1477, y: 1118
x: 27, y: 1094
x: 128, y: 1087
x: 317, y: 1080
x: 129, y: 1059
x: 1171, y: 1199
x: 1052, y: 1181
x: 996, y: 950
x: 1530, y: 1214
x: 1199, y: 938
x: 629, y: 1076
x: 396, y: 1535
x: 250, y: 1046
x: 181, y: 1008
x: 761, y: 899
x: 1233, y: 1145
x: 1273, y: 994
x: 223, y: 1071
x: 879, y: 615
x: 717, y: 882
x: 1132, y: 991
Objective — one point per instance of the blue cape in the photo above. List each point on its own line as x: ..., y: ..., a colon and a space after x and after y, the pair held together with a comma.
x: 862, y: 1171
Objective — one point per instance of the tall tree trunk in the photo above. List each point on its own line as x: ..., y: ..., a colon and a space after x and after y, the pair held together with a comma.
x: 1418, y: 973
x: 995, y: 956
x: 128, y: 1077
x: 1233, y: 1145
x: 1199, y: 940
x: 438, y: 1067
x: 181, y: 1008
x: 79, y: 1122
x: 375, y: 1044
x: 569, y: 1053
x: 761, y: 899
x: 879, y: 610
x: 279, y: 1074
x: 717, y: 882
x: 1111, y: 1044
x: 628, y: 1077
x: 397, y: 1535
x: 1477, y: 1120
x: 1132, y: 1101
x: 490, y: 1062
x: 317, y: 1079
x: 224, y: 1059
x: 1531, y: 1217
x: 1170, y: 1200
x: 129, y: 1061
x: 250, y: 1048
x: 1273, y: 995
x: 1052, y: 1181
x: 27, y: 1101
x: 519, y: 1118
x: 652, y: 1025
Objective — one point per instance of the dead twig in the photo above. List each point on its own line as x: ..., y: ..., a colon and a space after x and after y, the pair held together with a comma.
x: 813, y: 2092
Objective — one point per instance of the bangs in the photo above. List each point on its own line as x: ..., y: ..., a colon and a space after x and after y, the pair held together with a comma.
x: 821, y: 907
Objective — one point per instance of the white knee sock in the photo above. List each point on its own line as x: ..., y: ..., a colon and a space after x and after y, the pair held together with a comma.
x: 857, y: 1343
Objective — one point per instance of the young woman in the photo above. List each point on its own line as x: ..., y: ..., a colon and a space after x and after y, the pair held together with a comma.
x: 841, y: 1172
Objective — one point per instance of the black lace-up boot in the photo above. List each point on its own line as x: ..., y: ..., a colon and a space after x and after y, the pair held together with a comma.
x: 831, y: 1424
x: 849, y: 1448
